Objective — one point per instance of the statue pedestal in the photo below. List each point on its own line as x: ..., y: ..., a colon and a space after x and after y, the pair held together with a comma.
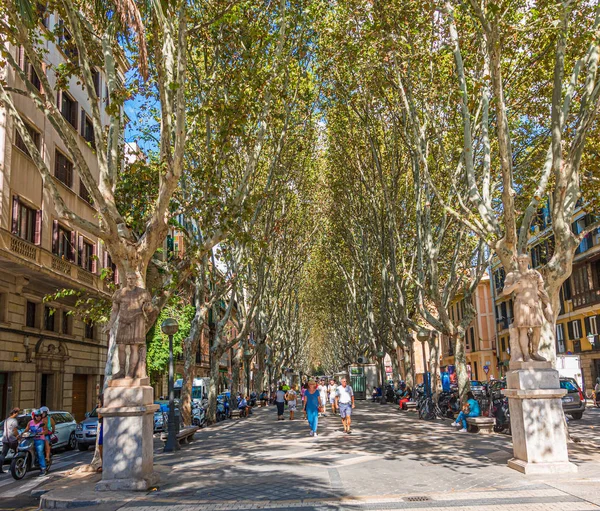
x: 537, y: 419
x: 128, y: 427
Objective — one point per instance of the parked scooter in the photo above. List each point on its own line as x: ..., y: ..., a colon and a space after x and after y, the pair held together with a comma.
x: 500, y: 411
x: 199, y: 416
x: 25, y: 460
x: 449, y: 404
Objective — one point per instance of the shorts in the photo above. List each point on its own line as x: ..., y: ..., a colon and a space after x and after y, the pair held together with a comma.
x: 345, y: 410
x: 292, y: 406
x: 331, y: 400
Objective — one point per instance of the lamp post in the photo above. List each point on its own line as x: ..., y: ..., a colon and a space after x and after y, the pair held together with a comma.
x: 248, y: 357
x: 423, y: 336
x: 170, y: 327
x: 381, y: 355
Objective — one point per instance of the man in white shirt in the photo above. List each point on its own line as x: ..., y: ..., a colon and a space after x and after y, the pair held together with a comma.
x: 345, y: 403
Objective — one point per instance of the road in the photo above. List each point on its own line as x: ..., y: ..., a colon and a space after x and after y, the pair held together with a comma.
x: 17, y: 494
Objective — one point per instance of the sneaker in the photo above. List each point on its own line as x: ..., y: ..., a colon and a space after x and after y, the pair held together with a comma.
x: 312, y: 433
x: 463, y: 430
x: 42, y: 473
x: 455, y: 425
x: 315, y: 434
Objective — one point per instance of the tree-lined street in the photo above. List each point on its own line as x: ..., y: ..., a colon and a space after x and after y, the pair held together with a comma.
x: 391, y: 458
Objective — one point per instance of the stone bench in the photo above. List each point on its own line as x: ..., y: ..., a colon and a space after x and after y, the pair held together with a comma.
x: 411, y: 406
x: 235, y: 414
x: 482, y: 425
x: 185, y: 435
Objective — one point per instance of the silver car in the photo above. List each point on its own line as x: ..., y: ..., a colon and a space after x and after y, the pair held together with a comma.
x: 87, y: 431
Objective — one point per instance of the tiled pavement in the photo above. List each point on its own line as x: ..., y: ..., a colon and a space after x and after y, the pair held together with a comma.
x: 391, y: 461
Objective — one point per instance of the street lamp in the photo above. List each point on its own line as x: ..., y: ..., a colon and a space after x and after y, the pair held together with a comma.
x: 381, y: 355
x: 247, y: 356
x: 170, y: 327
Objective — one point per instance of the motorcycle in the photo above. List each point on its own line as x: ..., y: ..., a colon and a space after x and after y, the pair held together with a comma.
x: 390, y: 394
x: 253, y: 399
x: 449, y: 404
x: 500, y: 411
x: 199, y: 416
x: 25, y: 460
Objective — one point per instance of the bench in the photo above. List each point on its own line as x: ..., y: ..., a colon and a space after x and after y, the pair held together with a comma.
x: 185, y: 435
x: 235, y: 414
x: 411, y: 406
x: 482, y: 425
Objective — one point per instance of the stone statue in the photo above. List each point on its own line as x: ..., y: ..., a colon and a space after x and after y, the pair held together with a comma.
x: 531, y: 306
x: 132, y: 305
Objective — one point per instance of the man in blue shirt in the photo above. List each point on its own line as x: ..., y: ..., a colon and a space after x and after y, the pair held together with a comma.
x: 472, y: 411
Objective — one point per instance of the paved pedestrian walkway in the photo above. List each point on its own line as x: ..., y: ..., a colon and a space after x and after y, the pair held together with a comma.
x: 391, y: 461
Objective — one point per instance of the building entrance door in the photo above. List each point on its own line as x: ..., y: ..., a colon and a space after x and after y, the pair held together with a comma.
x: 80, y: 387
x: 3, y: 395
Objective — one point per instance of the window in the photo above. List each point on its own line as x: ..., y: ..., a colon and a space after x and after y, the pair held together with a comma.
x: 503, y: 344
x: 26, y: 66
x: 591, y: 326
x: 87, y: 129
x: 49, y: 319
x: 65, y: 41
x: 499, y: 276
x: 86, y: 254
x: 65, y: 327
x: 96, y: 79
x: 560, y: 338
x: 63, y: 169
x: 69, y: 109
x: 574, y: 328
x: 26, y: 222
x: 35, y: 137
x: 30, y: 319
x: 84, y: 193
x: 42, y: 12
x: 89, y: 330
x: 63, y: 242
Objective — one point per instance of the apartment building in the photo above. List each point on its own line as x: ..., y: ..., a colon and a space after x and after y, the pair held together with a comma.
x: 578, y: 323
x: 480, y: 337
x: 48, y: 356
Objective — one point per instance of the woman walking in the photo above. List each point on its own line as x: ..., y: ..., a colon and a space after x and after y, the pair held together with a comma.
x: 312, y: 406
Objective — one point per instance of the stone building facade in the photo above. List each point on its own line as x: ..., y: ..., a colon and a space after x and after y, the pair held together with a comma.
x: 48, y: 356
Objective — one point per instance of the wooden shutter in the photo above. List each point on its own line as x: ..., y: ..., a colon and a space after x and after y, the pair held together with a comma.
x: 38, y: 227
x: 74, y: 114
x: 55, y: 236
x: 581, y: 332
x: 570, y: 330
x: 82, y: 123
x: 15, y: 214
x: 95, y: 257
x: 80, y: 249
x: 72, y: 246
x: 587, y: 325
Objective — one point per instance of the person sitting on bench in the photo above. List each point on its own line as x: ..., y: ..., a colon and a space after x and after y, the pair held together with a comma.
x: 470, y: 409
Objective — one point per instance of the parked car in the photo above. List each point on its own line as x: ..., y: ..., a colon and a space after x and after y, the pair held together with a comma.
x: 573, y: 401
x: 478, y: 387
x: 87, y: 430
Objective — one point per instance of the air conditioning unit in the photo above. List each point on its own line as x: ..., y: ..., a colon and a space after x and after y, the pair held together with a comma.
x: 568, y: 306
x: 362, y: 360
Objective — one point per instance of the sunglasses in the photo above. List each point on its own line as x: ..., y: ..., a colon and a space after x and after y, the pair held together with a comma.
x: 39, y: 416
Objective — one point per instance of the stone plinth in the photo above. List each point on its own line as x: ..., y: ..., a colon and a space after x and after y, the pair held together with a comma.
x: 537, y: 419
x: 128, y: 428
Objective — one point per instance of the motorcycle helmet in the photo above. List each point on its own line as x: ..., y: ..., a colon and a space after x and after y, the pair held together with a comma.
x: 36, y: 412
x: 44, y: 409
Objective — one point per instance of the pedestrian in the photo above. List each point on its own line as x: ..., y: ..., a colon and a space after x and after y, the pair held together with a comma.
x: 50, y: 426
x: 291, y: 396
x: 345, y: 404
x: 10, y: 433
x: 36, y: 427
x: 597, y: 392
x: 100, y: 404
x: 280, y: 402
x: 323, y: 395
x: 470, y: 409
x: 312, y: 407
x: 332, y: 393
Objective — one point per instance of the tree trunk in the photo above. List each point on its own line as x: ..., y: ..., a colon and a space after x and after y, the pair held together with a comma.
x: 189, y: 354
x: 409, y: 368
x: 395, y: 366
x: 434, y: 364
x: 460, y: 362
x: 213, y: 386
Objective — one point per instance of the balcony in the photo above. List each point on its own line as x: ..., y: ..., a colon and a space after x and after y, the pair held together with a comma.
x: 588, y: 297
x: 42, y: 263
